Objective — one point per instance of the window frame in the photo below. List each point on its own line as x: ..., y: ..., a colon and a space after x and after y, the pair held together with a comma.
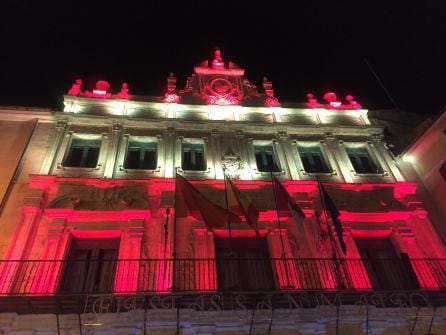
x: 95, y: 261
x: 67, y: 151
x: 149, y: 141
x: 324, y: 158
x: 372, y: 158
x: 189, y: 141
x: 275, y: 157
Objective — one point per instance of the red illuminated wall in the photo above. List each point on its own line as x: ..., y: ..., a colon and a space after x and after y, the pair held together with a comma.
x: 135, y: 212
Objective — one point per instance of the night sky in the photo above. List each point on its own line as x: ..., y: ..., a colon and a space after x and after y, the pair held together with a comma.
x: 301, y: 46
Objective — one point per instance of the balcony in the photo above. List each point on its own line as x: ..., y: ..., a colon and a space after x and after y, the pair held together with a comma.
x: 29, y: 285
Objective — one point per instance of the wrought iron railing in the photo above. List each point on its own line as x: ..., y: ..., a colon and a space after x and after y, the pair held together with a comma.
x: 37, y: 277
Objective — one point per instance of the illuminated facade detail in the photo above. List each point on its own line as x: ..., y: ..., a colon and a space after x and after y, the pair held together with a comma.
x: 83, y: 153
x: 193, y: 155
x: 313, y: 159
x: 92, y: 222
x: 270, y: 100
x: 171, y: 96
x: 141, y: 154
x: 361, y: 159
x: 265, y: 156
x: 124, y: 92
x: 332, y: 102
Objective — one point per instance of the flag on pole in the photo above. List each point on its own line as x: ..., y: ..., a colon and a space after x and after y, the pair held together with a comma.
x: 323, y: 234
x: 285, y: 203
x: 240, y: 204
x: 334, y: 213
x: 188, y: 199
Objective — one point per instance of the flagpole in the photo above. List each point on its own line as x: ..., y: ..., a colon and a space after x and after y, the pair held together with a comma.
x: 335, y: 252
x: 175, y: 219
x: 166, y: 231
x: 277, y: 212
x: 227, y: 208
x: 280, y: 229
x: 334, y: 248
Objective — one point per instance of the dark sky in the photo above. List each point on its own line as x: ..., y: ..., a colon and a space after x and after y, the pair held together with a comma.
x: 301, y: 46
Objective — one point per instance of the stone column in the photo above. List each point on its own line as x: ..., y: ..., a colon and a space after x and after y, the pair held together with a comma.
x: 110, y: 160
x: 337, y: 159
x: 20, y: 244
x: 284, y: 266
x: 283, y: 152
x: 48, y: 272
x: 216, y: 154
x: 384, y: 157
x: 127, y: 271
x: 57, y: 137
x: 404, y: 241
x: 170, y: 145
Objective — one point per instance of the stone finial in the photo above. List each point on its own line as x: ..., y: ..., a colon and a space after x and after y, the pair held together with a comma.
x: 124, y: 93
x: 271, y: 100
x: 217, y: 62
x: 171, y: 96
x: 76, y: 88
x: 171, y: 82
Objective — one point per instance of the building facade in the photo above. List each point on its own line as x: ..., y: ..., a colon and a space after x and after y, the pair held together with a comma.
x: 212, y: 209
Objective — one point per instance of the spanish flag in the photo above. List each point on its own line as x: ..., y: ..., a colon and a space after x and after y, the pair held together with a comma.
x: 240, y: 204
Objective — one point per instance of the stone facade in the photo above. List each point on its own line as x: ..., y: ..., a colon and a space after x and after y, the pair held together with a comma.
x: 91, y: 209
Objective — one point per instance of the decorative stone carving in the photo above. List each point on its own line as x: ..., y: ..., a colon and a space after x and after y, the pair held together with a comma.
x: 76, y: 88
x: 270, y: 100
x: 124, y: 93
x: 231, y: 164
x: 104, y: 199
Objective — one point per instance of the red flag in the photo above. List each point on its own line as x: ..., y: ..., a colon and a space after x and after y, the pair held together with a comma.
x: 189, y: 199
x: 240, y: 204
x: 285, y: 204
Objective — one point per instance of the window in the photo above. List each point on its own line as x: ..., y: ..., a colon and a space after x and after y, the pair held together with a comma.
x: 243, y: 263
x: 265, y: 158
x: 193, y: 156
x: 141, y: 155
x: 361, y: 160
x: 83, y: 153
x: 312, y: 159
x: 91, y: 266
x: 385, y: 269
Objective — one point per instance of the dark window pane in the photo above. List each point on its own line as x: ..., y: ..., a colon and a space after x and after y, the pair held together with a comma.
x: 92, y: 157
x: 141, y: 155
x: 187, y: 161
x: 83, y: 153
x: 132, y: 159
x: 356, y: 165
x: 90, y: 267
x: 361, y: 160
x: 265, y: 159
x: 313, y: 160
x: 149, y: 161
x: 193, y: 157
x: 75, y: 157
x: 385, y: 269
x: 243, y: 263
x: 367, y: 165
x: 319, y: 164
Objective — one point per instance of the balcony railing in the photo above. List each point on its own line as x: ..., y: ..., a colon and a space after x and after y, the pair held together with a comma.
x: 53, y: 277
